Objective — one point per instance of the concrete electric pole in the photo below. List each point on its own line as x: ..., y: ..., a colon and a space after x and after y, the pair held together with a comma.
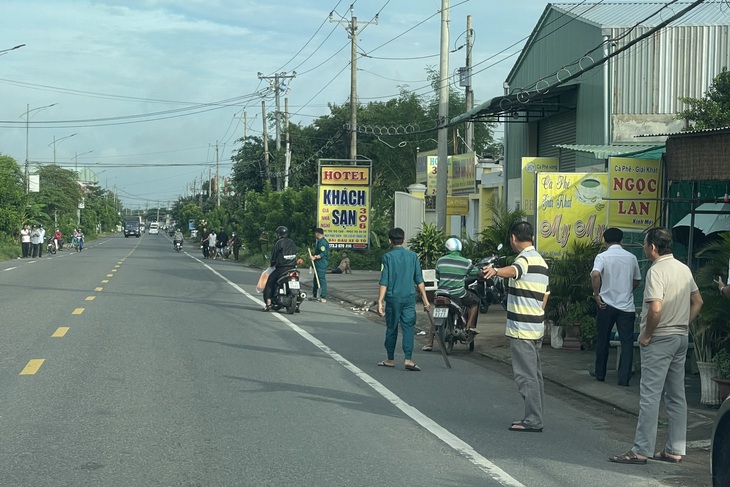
x: 443, y: 164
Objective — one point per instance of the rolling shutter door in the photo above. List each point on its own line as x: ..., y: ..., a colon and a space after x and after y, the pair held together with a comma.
x: 559, y: 129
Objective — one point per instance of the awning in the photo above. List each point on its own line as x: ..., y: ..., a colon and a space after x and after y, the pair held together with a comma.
x: 519, y: 107
x: 637, y: 151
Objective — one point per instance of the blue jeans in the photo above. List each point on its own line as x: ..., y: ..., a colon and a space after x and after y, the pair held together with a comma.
x: 624, y: 320
x: 403, y: 312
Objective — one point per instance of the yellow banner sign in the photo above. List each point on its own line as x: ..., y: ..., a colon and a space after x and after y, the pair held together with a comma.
x: 457, y: 206
x: 426, y: 169
x: 344, y: 206
x: 531, y: 166
x: 631, y: 180
x: 462, y: 173
x: 571, y: 207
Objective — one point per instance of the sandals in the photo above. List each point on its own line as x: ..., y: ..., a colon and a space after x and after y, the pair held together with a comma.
x: 629, y: 458
x: 427, y: 348
x: 268, y: 307
x: 522, y: 427
x: 663, y: 456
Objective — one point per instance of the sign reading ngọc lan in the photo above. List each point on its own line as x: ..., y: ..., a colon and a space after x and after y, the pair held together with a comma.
x: 629, y: 181
x: 343, y: 207
x: 570, y: 207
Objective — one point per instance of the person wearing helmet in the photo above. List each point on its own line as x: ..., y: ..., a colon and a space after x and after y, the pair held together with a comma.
x: 451, y: 272
x: 177, y: 238
x: 283, y: 259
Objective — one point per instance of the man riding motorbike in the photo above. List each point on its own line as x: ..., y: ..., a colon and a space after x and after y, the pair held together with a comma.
x: 451, y: 272
x: 58, y: 239
x: 283, y: 259
x: 177, y: 238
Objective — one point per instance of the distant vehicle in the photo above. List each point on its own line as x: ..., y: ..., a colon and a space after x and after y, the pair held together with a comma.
x: 132, y: 229
x: 720, y: 455
x: 154, y: 228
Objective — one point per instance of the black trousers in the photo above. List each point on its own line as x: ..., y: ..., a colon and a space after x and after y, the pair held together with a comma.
x: 624, y: 320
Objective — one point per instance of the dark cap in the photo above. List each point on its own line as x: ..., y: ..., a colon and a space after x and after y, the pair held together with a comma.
x: 613, y: 235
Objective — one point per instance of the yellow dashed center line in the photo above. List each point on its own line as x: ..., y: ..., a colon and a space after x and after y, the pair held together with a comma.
x: 105, y: 281
x: 90, y: 298
x: 117, y: 266
x: 114, y: 270
x: 32, y: 366
x: 109, y: 275
x: 78, y: 311
x: 60, y: 332
x: 98, y: 289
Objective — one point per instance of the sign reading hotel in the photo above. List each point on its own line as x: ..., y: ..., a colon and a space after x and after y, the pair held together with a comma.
x: 631, y: 180
x: 426, y: 169
x: 531, y: 166
x: 570, y: 208
x: 343, y: 206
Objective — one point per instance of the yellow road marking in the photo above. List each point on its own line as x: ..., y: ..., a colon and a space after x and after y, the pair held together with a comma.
x: 105, y: 281
x: 60, y: 332
x: 114, y: 270
x: 78, y: 311
x: 98, y: 289
x: 90, y: 298
x: 117, y: 266
x: 32, y: 367
x: 110, y: 275
x: 121, y: 262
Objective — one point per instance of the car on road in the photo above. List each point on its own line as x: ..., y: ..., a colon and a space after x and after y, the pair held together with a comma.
x: 132, y: 229
x: 154, y: 228
x: 720, y: 453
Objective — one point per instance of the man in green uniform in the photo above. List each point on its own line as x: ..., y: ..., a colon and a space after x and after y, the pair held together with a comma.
x: 320, y: 259
x: 400, y: 273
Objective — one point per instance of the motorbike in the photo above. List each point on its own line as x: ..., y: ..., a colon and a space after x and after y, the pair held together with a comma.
x: 449, y: 316
x: 288, y: 294
x: 490, y: 291
x: 51, y: 247
x: 178, y: 246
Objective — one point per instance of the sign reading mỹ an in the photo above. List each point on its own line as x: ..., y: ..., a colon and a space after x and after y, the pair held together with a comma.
x: 343, y: 206
x: 570, y: 207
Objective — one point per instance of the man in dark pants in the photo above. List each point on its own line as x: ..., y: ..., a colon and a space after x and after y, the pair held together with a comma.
x: 614, y: 277
x: 283, y: 259
x: 204, y: 242
x: 400, y: 272
x: 320, y: 259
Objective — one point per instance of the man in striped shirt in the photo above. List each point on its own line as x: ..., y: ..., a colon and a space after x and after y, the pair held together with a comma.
x: 528, y: 295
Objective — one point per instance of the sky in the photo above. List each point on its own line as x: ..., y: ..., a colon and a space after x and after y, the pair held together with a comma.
x: 143, y: 91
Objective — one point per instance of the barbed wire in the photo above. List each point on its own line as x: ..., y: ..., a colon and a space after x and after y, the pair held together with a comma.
x: 303, y: 165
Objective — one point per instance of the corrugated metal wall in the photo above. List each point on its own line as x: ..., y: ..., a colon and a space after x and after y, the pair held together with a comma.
x: 559, y: 129
x: 677, y: 62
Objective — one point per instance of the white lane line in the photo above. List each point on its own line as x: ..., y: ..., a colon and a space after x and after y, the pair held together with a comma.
x: 430, y: 425
x: 10, y: 269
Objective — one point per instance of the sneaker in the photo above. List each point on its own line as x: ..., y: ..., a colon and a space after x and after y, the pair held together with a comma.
x: 322, y: 300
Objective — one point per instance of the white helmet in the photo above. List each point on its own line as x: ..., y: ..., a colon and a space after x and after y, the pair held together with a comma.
x: 453, y: 245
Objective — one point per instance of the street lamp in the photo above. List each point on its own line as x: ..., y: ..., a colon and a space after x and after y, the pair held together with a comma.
x: 27, y: 113
x: 76, y: 160
x: 55, y: 141
x: 5, y: 51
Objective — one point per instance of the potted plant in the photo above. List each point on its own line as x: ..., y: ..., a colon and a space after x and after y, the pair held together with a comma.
x: 722, y: 371
x: 573, y: 317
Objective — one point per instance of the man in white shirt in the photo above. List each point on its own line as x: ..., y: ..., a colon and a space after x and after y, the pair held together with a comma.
x: 42, y: 239
x: 35, y: 244
x: 614, y: 277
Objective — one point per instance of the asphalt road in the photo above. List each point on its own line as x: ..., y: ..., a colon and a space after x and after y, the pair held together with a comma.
x: 164, y: 371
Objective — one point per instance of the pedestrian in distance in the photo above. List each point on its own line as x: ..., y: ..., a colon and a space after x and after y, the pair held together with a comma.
x: 25, y: 241
x: 35, y: 243
x: 528, y: 293
x: 42, y: 239
x: 221, y: 244
x: 400, y: 274
x: 204, y: 243
x: 320, y: 261
x: 671, y: 302
x: 344, y: 267
x: 212, y: 250
x: 235, y: 244
x: 614, y: 277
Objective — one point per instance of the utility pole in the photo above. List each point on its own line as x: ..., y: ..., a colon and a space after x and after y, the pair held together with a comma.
x: 287, y: 155
x: 443, y: 164
x: 265, y: 175
x: 245, y: 126
x: 469, y: 95
x: 217, y: 180
x: 351, y: 28
x: 277, y: 85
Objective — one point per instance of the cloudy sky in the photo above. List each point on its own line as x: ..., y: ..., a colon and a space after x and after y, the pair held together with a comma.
x: 149, y: 87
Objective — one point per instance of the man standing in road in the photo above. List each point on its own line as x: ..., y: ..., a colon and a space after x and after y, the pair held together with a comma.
x: 527, y: 297
x: 320, y: 260
x: 614, y: 277
x: 400, y: 273
x: 671, y: 302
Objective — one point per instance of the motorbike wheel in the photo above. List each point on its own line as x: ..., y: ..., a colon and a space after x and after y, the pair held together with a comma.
x: 292, y: 306
x: 449, y: 337
x: 483, y: 306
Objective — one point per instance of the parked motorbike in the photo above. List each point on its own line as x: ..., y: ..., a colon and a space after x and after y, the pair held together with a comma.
x: 178, y: 246
x: 490, y: 291
x: 288, y: 294
x: 51, y: 247
x: 449, y: 316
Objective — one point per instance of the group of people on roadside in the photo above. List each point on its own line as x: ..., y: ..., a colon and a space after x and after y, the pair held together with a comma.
x: 671, y: 301
x: 219, y: 245
x: 33, y: 238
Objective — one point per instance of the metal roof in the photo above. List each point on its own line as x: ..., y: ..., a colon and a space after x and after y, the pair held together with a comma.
x: 641, y: 151
x: 648, y: 14
x: 719, y: 130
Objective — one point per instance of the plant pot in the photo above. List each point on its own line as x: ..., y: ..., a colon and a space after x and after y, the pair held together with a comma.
x: 709, y: 391
x: 572, y: 341
x: 723, y: 386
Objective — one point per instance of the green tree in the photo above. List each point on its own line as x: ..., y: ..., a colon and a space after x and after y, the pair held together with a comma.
x: 11, y: 197
x: 713, y: 109
x: 59, y: 196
